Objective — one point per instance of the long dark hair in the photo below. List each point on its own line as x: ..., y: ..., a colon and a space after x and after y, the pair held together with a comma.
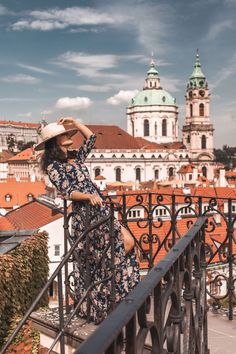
x: 52, y: 153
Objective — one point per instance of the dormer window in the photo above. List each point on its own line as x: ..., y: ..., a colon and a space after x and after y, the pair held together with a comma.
x: 163, y: 99
x: 145, y: 99
x: 30, y: 197
x: 8, y: 197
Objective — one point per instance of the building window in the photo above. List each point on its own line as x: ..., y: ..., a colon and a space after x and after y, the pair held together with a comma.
x: 132, y: 124
x: 8, y: 197
x: 164, y: 127
x: 97, y: 172
x: 57, y: 250
x: 201, y: 110
x: 118, y: 174
x: 188, y: 139
x: 190, y: 176
x: 138, y: 174
x: 155, y: 128
x: 146, y: 127
x: 30, y: 197
x: 156, y: 174
x: 191, y: 109
x: 204, y: 171
x: 203, y: 142
x: 171, y: 172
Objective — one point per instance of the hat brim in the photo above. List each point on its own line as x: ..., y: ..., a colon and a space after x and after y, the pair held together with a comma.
x: 41, y: 145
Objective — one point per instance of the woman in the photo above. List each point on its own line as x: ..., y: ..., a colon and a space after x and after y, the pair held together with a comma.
x: 67, y: 171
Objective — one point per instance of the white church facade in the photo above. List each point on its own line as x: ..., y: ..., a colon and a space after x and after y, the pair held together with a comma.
x: 151, y: 148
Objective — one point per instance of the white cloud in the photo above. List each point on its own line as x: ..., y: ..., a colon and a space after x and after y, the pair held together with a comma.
x: 35, y: 69
x: 63, y: 18
x: 20, y: 78
x: 73, y: 103
x: 26, y: 115
x: 94, y: 65
x: 121, y: 97
x: 217, y: 28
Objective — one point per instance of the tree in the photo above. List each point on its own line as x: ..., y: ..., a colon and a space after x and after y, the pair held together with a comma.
x: 22, y: 146
x: 11, y: 142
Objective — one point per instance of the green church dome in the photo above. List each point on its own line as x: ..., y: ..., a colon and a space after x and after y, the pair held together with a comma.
x: 154, y: 97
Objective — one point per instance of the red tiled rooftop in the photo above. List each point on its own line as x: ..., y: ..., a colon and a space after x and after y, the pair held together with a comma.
x: 99, y: 178
x: 186, y: 169
x: 32, y: 215
x: 114, y: 137
x: 19, y: 191
x: 25, y: 155
x: 5, y: 155
x: 19, y: 124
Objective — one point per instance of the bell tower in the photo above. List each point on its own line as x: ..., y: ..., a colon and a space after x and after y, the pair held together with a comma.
x: 198, y: 130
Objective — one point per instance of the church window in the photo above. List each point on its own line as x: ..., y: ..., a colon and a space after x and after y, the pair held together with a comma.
x: 164, y: 127
x: 201, y: 110
x: 171, y: 172
x: 159, y: 157
x: 163, y: 99
x: 191, y: 109
x: 114, y: 156
x: 134, y: 156
x: 188, y: 139
x: 190, y: 94
x: 97, y: 172
x: 150, y: 84
x: 201, y: 93
x: 118, y: 174
x: 146, y: 127
x: 204, y: 171
x: 138, y: 174
x: 203, y: 142
x: 156, y: 174
x: 201, y: 83
x: 153, y: 156
x: 101, y: 156
x: 132, y: 124
x: 145, y: 99
x: 122, y: 156
x: 155, y: 127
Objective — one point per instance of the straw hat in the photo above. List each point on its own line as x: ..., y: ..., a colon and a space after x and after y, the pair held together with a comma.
x: 51, y: 131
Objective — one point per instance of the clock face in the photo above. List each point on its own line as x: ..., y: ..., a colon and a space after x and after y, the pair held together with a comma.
x: 202, y: 93
x: 190, y: 94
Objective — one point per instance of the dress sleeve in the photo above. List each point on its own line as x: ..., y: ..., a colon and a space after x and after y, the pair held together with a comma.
x: 85, y: 149
x: 64, y: 182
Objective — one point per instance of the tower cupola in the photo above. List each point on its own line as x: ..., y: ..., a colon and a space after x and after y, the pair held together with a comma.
x: 197, y: 79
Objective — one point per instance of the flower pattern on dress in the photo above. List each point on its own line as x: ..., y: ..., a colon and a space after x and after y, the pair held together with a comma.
x: 75, y: 177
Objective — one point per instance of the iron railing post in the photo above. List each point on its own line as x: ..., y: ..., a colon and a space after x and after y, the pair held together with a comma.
x: 112, y: 242
x: 87, y: 275
x: 230, y: 258
x: 66, y: 281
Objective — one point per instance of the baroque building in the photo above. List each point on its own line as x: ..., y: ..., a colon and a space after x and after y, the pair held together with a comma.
x: 153, y: 113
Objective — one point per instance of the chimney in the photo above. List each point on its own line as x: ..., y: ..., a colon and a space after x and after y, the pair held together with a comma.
x: 222, y: 178
x: 195, y: 173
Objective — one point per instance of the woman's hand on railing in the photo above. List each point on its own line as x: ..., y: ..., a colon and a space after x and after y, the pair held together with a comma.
x: 95, y: 199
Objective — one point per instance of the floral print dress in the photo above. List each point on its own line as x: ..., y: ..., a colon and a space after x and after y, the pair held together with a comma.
x: 69, y: 177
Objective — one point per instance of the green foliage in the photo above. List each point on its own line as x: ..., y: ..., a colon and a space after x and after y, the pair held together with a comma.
x: 22, y: 146
x: 23, y: 273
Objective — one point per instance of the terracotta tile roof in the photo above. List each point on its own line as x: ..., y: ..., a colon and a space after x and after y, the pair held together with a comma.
x: 186, y: 169
x: 114, y: 137
x: 230, y: 174
x: 99, y: 178
x: 19, y: 192
x: 32, y: 215
x: 19, y: 124
x: 108, y: 137
x: 25, y: 155
x: 5, y: 155
x: 5, y: 224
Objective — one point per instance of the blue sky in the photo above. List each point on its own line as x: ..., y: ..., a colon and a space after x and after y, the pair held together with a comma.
x: 87, y: 58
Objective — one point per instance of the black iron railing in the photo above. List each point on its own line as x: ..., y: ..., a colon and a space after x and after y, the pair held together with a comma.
x: 157, y: 221
x: 68, y: 304
x: 166, y: 312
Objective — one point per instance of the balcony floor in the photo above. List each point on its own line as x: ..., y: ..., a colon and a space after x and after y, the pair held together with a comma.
x: 221, y: 334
